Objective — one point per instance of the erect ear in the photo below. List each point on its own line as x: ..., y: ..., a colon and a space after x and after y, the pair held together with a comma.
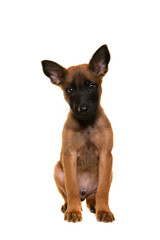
x: 54, y: 71
x: 99, y: 61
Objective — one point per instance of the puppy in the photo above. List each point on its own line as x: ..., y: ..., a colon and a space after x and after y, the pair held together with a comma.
x: 84, y: 170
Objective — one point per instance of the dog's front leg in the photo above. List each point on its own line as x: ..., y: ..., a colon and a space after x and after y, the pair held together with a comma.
x: 73, y: 212
x: 103, y: 212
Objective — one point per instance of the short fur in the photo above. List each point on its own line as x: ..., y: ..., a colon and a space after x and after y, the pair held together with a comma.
x: 84, y: 170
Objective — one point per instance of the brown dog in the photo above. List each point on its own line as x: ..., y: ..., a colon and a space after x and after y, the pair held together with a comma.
x: 85, y: 167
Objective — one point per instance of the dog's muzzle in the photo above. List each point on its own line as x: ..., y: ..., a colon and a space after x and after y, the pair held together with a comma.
x: 83, y: 108
x: 84, y: 111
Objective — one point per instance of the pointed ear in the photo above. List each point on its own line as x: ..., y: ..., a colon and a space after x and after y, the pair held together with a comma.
x: 99, y: 61
x: 54, y: 71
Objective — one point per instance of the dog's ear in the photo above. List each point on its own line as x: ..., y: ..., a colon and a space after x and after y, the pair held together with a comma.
x: 99, y: 61
x: 54, y: 71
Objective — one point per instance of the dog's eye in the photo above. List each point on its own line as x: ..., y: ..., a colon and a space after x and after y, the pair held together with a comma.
x: 70, y: 90
x: 92, y: 85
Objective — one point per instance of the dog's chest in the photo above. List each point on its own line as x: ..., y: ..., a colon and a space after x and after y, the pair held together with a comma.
x: 87, y: 156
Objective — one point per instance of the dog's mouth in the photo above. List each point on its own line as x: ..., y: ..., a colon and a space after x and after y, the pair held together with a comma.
x: 84, y: 114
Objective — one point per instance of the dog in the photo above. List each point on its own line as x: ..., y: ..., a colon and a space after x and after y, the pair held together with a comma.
x: 84, y: 170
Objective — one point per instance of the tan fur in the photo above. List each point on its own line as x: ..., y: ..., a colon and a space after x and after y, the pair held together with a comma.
x: 86, y: 160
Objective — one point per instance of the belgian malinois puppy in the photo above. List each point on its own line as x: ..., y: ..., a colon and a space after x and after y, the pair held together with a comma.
x: 85, y: 167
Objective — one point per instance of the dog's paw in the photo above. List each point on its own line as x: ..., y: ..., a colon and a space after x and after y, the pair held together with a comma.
x: 64, y: 208
x: 91, y: 204
x: 104, y: 216
x: 92, y: 208
x: 73, y: 216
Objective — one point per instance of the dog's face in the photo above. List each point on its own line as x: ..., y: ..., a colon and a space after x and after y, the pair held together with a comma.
x: 82, y: 94
x: 81, y: 84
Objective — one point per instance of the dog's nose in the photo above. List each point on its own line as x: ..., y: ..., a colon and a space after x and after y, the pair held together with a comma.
x: 83, y: 108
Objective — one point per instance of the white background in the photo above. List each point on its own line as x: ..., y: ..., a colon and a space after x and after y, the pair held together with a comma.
x: 32, y: 113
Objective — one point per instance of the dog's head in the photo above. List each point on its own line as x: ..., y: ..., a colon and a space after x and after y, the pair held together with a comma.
x: 81, y: 84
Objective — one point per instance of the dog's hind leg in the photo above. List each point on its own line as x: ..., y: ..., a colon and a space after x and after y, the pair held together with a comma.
x: 64, y: 206
x: 59, y: 179
x: 91, y: 202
